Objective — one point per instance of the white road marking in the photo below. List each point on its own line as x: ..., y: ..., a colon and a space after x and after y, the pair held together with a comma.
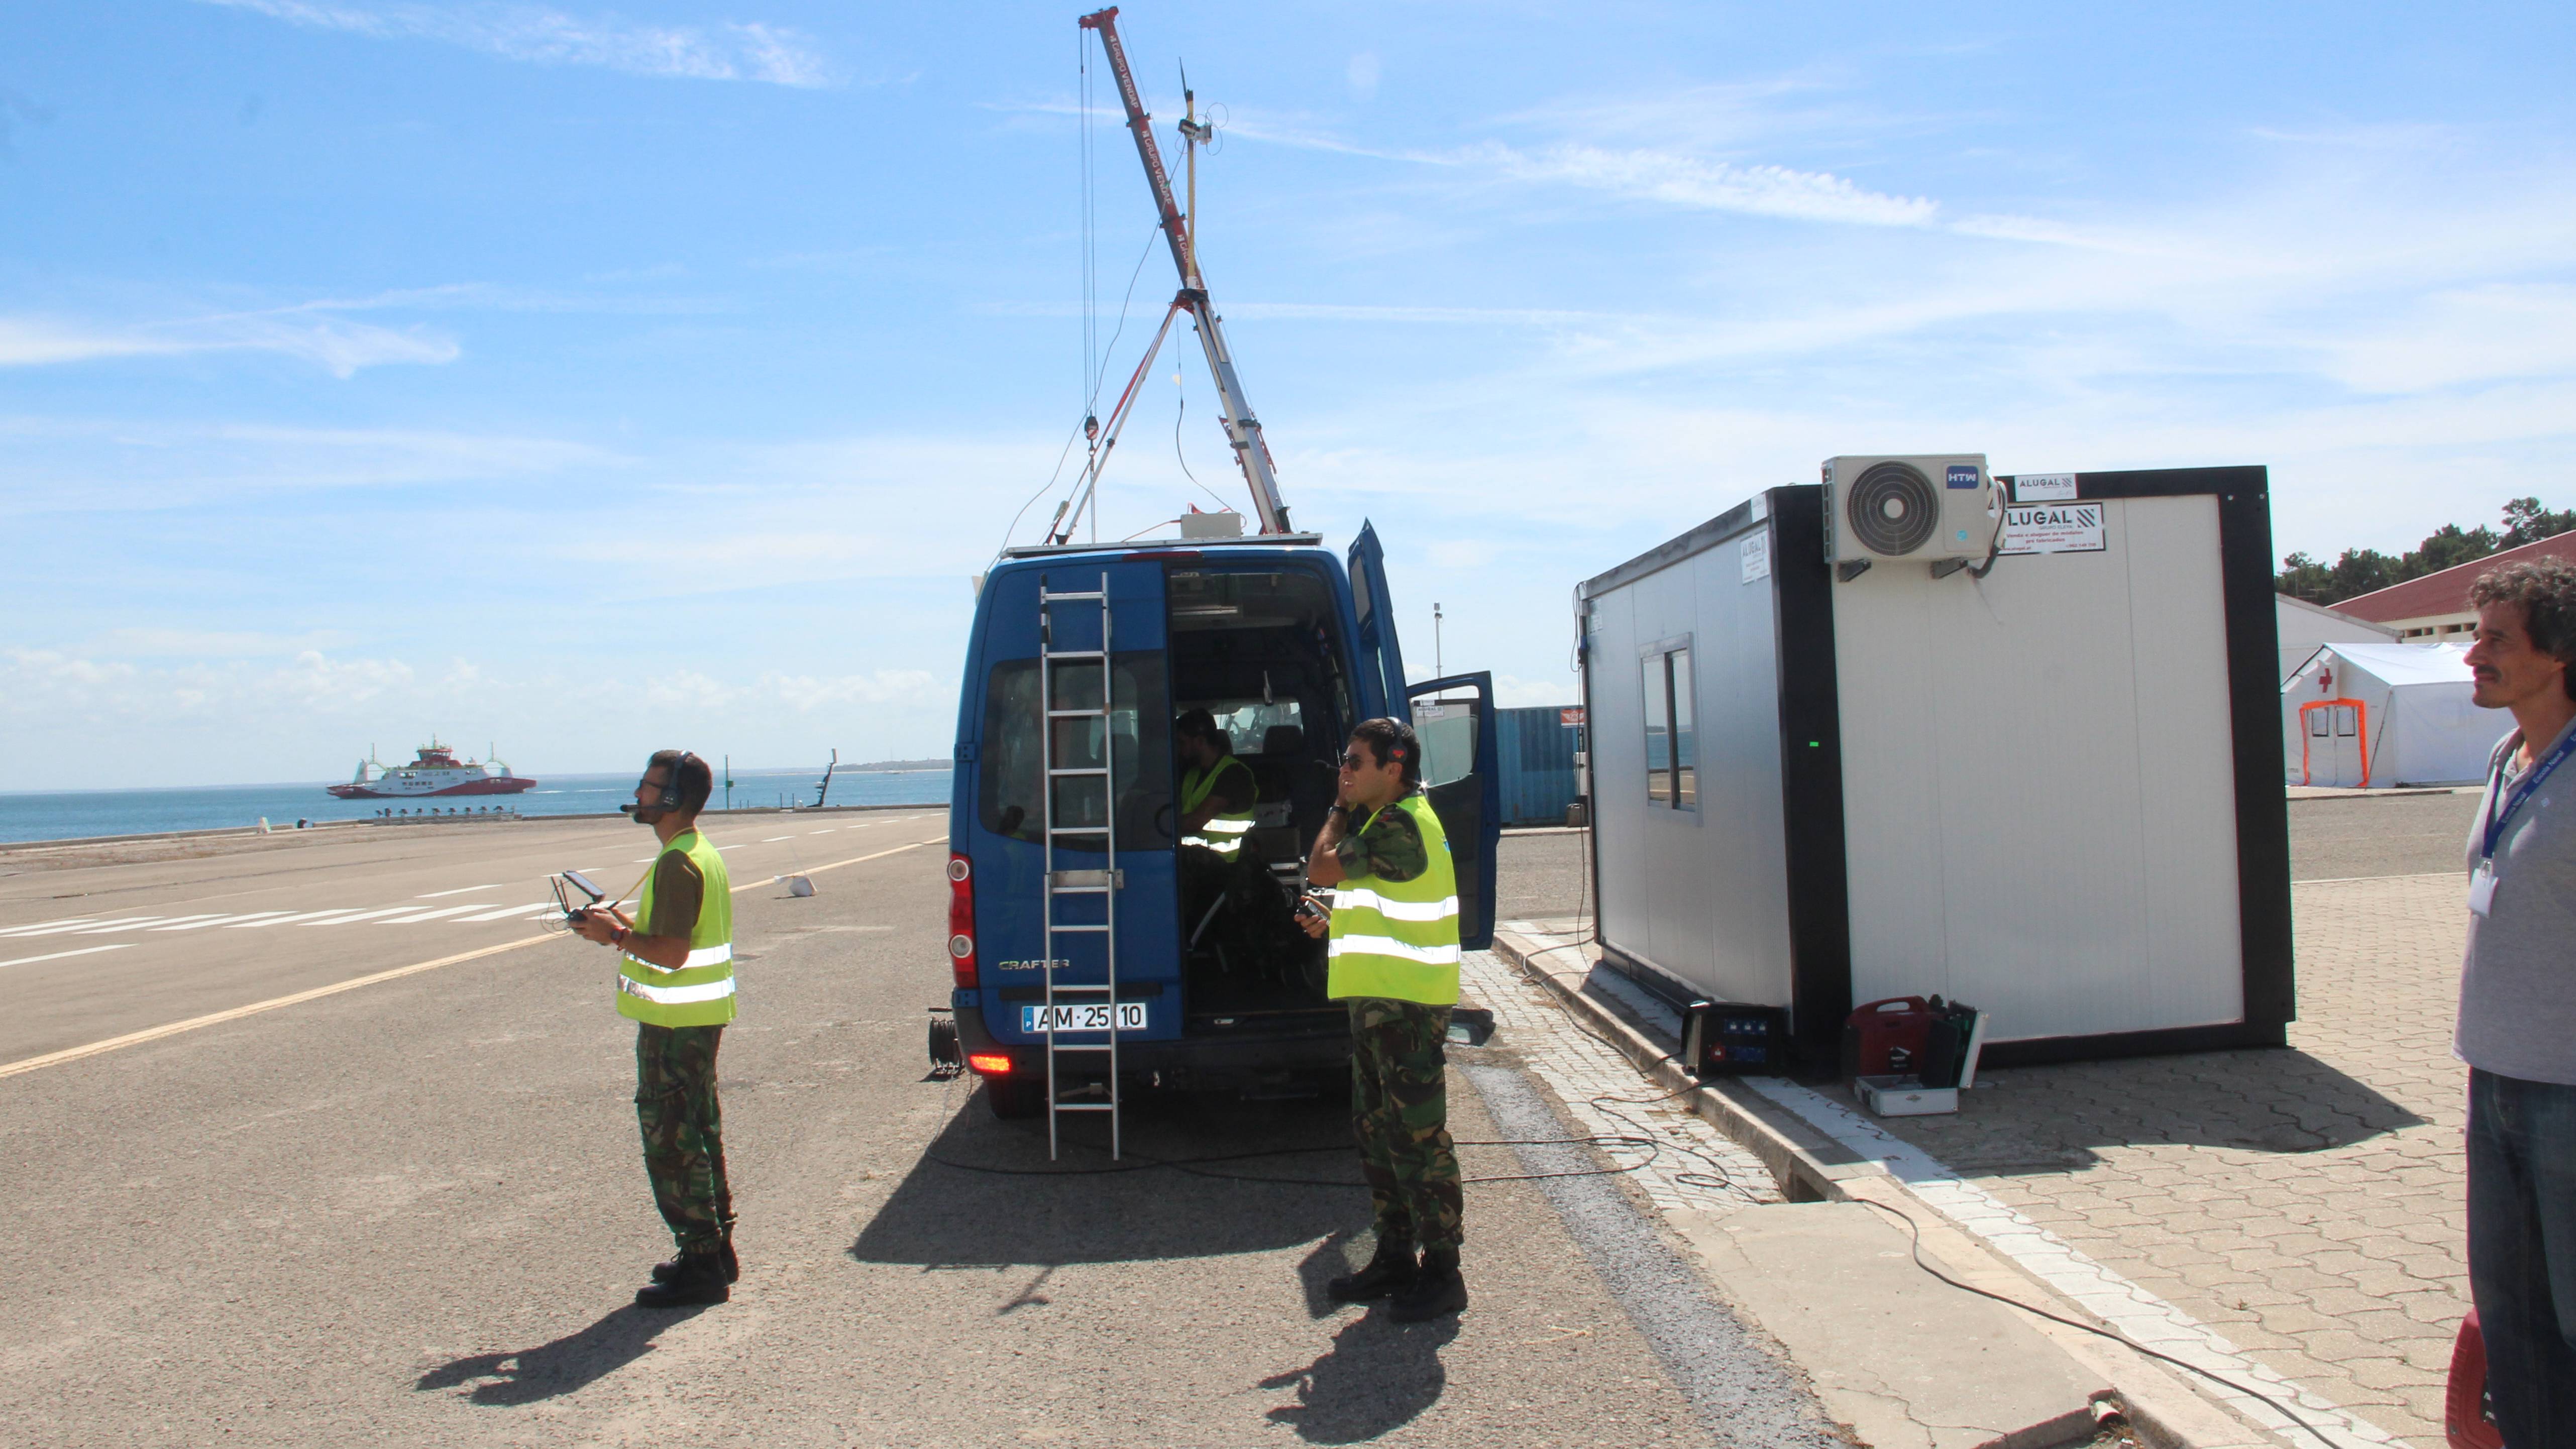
x: 826, y: 830
x: 361, y: 916
x: 406, y: 920
x: 218, y: 921
x: 646, y: 860
x: 773, y: 840
x: 508, y: 911
x: 58, y: 955
x: 460, y: 890
x: 141, y: 921
x: 307, y: 918
x: 66, y: 928
x: 33, y: 927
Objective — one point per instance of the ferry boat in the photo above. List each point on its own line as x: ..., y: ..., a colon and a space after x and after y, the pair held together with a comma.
x: 435, y: 771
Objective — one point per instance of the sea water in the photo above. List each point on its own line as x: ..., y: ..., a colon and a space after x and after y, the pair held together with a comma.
x: 73, y: 814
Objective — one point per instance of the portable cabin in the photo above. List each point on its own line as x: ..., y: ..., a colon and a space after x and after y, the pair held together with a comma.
x: 2051, y: 792
x: 1086, y: 942
x: 2383, y: 715
x: 2305, y: 627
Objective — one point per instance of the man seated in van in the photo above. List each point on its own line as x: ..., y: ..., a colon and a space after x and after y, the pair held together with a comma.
x: 1217, y: 790
x: 1218, y: 794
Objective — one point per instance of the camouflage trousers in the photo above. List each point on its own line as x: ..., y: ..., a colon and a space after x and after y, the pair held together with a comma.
x: 675, y: 1102
x: 1400, y: 1113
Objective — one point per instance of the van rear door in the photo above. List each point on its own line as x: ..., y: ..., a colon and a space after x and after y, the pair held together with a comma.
x: 1009, y: 833
x: 1454, y: 718
x: 1379, y: 662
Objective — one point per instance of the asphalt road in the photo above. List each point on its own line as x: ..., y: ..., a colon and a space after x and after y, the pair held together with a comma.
x: 413, y: 1211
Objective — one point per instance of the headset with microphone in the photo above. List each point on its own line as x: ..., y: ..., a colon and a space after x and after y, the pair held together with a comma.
x: 670, y: 797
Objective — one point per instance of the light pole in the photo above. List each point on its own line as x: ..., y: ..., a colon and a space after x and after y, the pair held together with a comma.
x: 1439, y: 670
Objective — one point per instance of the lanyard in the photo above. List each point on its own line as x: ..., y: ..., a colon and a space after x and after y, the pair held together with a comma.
x: 2522, y: 790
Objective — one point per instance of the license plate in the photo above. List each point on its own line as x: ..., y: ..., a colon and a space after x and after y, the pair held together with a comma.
x: 1086, y: 1016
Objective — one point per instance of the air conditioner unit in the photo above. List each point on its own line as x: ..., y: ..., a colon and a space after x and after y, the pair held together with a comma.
x: 1922, y: 508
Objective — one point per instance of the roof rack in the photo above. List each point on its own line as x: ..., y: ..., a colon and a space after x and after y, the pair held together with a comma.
x: 1033, y: 550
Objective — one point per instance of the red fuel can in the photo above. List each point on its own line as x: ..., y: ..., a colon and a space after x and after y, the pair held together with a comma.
x: 1885, y: 1038
x: 2464, y: 1407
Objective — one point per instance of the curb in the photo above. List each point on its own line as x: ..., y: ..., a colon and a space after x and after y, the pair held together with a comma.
x: 2167, y: 1411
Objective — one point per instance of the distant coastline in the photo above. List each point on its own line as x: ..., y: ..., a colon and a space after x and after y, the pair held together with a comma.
x: 84, y: 814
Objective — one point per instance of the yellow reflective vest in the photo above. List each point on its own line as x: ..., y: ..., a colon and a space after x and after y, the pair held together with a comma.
x: 1223, y: 832
x: 700, y: 992
x: 1398, y: 939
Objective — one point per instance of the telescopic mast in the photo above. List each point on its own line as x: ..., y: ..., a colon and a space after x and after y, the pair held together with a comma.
x: 1242, y: 429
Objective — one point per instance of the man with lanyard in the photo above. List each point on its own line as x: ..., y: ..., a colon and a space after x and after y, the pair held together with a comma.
x: 2517, y: 1028
x: 1394, y: 958
x: 675, y: 980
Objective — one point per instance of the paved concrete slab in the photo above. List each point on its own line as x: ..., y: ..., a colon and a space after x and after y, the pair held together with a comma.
x: 1906, y: 1360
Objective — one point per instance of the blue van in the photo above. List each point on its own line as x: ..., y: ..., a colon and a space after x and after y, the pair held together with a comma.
x: 1091, y: 948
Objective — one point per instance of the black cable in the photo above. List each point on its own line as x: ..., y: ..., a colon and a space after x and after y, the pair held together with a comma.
x: 1916, y: 1229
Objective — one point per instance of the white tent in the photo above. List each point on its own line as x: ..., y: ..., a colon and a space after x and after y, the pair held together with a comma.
x: 2303, y: 626
x: 2387, y: 714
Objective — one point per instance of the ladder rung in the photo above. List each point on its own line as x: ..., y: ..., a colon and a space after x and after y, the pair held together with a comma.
x: 1079, y: 770
x: 1086, y: 1106
x: 1078, y: 1046
x: 1078, y: 890
x: 1062, y: 987
x: 1054, y: 598
x: 1077, y: 830
x: 1077, y: 713
x: 1070, y: 926
x: 1056, y: 654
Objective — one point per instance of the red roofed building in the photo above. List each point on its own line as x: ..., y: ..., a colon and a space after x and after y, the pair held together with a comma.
x: 2436, y: 606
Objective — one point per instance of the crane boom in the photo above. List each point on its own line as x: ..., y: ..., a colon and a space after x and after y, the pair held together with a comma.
x: 1242, y: 429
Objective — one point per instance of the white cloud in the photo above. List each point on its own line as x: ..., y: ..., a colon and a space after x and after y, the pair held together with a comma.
x: 1702, y: 185
x: 1362, y: 74
x: 342, y: 347
x: 751, y: 51
x: 1513, y: 692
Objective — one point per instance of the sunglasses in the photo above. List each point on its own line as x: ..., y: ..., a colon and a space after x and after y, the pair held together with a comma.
x: 1354, y: 760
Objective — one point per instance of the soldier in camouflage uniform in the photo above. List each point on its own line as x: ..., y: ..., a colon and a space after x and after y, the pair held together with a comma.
x: 675, y: 980
x: 1394, y: 959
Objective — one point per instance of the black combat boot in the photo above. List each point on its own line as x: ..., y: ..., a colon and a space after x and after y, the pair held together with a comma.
x: 668, y: 1270
x: 1435, y: 1292
x: 1389, y: 1271
x: 699, y: 1278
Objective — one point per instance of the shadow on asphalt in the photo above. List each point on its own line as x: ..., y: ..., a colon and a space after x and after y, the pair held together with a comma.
x: 1379, y: 1376
x: 527, y: 1376
x: 2052, y: 1118
x: 985, y: 1195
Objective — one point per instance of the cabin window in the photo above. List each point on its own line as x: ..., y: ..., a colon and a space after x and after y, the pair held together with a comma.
x: 1672, y: 748
x: 1137, y: 746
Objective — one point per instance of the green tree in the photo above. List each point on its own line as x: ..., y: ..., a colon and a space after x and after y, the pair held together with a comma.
x: 2361, y: 571
x: 2525, y: 521
x: 2444, y: 548
x: 2302, y: 577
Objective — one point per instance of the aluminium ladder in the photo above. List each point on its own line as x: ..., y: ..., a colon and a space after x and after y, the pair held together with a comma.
x: 1060, y: 884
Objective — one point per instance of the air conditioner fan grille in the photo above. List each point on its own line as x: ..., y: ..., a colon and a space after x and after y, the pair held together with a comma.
x: 1893, y: 509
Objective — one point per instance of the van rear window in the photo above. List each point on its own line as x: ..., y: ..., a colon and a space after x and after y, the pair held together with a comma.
x: 1139, y: 752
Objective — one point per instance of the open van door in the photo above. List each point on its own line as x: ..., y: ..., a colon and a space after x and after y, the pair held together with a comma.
x: 1461, y: 773
x: 1381, y: 661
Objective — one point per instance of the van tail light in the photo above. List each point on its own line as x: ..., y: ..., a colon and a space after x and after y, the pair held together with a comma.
x: 995, y: 1065
x: 961, y: 921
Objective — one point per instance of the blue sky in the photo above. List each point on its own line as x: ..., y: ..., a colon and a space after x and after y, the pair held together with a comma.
x: 582, y: 380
